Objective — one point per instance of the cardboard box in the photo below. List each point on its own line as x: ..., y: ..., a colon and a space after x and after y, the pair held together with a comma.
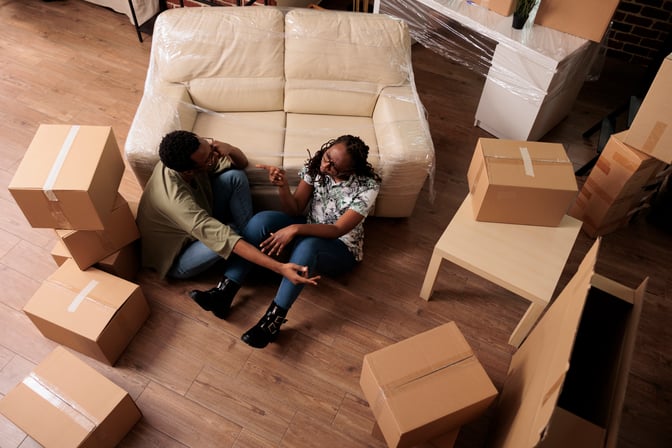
x: 124, y: 263
x: 617, y: 186
x: 503, y: 7
x: 519, y: 182
x: 651, y: 129
x: 90, y: 311
x: 566, y: 383
x: 588, y: 19
x: 88, y: 247
x: 69, y: 177
x: 425, y: 386
x: 65, y: 403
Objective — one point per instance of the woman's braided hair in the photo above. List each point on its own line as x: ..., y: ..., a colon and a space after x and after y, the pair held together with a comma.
x: 355, y: 147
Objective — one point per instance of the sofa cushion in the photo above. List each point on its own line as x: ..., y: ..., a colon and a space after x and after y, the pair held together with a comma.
x: 337, y: 62
x: 260, y: 135
x: 230, y: 60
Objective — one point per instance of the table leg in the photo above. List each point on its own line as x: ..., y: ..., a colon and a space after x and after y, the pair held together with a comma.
x: 526, y: 323
x: 430, y: 276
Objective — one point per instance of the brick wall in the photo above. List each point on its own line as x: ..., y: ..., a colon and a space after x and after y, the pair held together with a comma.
x: 640, y: 30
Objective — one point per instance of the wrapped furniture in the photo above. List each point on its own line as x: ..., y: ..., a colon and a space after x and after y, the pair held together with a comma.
x: 278, y: 84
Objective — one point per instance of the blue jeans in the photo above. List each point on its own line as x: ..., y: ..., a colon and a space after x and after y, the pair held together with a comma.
x: 233, y: 206
x: 322, y: 256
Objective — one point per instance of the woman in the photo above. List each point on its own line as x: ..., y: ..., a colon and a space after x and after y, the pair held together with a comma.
x: 338, y: 186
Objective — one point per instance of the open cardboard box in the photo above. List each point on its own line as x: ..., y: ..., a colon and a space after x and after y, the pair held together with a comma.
x: 566, y: 384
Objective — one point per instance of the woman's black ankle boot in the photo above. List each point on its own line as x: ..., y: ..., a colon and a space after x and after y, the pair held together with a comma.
x: 267, y: 328
x: 217, y: 299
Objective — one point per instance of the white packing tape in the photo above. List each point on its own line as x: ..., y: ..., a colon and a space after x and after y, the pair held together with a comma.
x: 527, y: 161
x: 58, y: 164
x: 79, y: 298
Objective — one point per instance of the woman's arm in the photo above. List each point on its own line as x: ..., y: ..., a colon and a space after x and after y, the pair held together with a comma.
x: 275, y: 243
x: 292, y: 204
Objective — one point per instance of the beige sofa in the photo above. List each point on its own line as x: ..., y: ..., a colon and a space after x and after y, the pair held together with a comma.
x: 278, y: 83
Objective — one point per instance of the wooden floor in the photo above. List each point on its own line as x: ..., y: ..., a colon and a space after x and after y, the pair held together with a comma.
x: 196, y: 383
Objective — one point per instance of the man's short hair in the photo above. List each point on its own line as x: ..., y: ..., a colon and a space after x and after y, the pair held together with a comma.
x: 176, y: 149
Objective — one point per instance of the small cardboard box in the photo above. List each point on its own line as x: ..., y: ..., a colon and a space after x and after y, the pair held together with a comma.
x: 124, y: 263
x: 651, y: 130
x: 519, y: 182
x: 588, y: 19
x: 503, y: 7
x: 566, y: 383
x: 92, y: 312
x: 64, y: 403
x: 616, y: 187
x: 425, y: 386
x: 69, y: 176
x: 88, y: 247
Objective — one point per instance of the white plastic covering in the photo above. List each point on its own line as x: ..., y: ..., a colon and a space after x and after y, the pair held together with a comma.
x: 278, y: 84
x: 533, y: 75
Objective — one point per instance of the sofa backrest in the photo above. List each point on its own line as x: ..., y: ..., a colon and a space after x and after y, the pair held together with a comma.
x: 230, y: 59
x: 337, y: 62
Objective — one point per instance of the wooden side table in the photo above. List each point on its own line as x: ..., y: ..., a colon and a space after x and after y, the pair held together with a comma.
x: 527, y: 260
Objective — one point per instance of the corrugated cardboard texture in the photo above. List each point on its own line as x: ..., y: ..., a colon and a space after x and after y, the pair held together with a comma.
x: 65, y: 403
x: 90, y: 311
x: 550, y: 370
x: 519, y: 182
x: 588, y: 19
x: 69, y: 177
x: 425, y: 386
x: 651, y: 130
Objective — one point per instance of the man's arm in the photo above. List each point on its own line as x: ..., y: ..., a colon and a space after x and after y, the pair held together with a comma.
x: 293, y: 272
x: 238, y: 158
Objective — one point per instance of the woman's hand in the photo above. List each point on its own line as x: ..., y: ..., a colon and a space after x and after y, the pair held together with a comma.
x: 276, y: 243
x: 276, y: 176
x: 298, y: 274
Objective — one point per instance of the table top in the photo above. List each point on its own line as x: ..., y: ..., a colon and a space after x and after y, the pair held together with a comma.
x: 527, y: 260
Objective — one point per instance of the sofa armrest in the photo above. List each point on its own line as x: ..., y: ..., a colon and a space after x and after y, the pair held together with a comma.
x: 405, y: 148
x: 163, y: 109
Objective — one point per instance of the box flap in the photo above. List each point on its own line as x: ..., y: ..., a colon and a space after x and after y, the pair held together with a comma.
x: 538, y: 368
x: 528, y: 164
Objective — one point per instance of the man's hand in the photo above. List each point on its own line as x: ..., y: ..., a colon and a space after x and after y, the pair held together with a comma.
x: 276, y: 176
x: 298, y: 274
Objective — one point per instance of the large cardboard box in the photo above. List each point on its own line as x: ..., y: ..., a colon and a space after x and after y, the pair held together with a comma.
x: 651, y: 129
x: 566, y: 383
x: 425, y: 386
x: 588, y: 19
x: 88, y: 247
x: 69, y: 177
x: 92, y: 312
x: 124, y: 263
x: 503, y: 7
x: 519, y: 182
x: 617, y: 186
x: 64, y: 403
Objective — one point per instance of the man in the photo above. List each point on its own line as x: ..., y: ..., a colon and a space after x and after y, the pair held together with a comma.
x: 195, y: 204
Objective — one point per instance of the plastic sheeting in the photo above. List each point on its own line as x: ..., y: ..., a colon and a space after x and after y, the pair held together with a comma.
x: 536, y: 71
x: 278, y: 84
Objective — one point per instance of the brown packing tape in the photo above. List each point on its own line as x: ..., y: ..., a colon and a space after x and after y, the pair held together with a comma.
x: 603, y: 165
x: 55, y: 397
x: 654, y: 136
x: 595, y: 189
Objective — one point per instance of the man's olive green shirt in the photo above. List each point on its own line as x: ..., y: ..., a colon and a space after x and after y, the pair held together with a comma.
x: 174, y: 213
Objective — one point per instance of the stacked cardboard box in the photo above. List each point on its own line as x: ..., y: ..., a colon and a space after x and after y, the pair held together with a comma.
x: 68, y: 180
x: 520, y: 182
x: 65, y: 403
x: 619, y: 184
x: 588, y: 19
x: 425, y: 387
